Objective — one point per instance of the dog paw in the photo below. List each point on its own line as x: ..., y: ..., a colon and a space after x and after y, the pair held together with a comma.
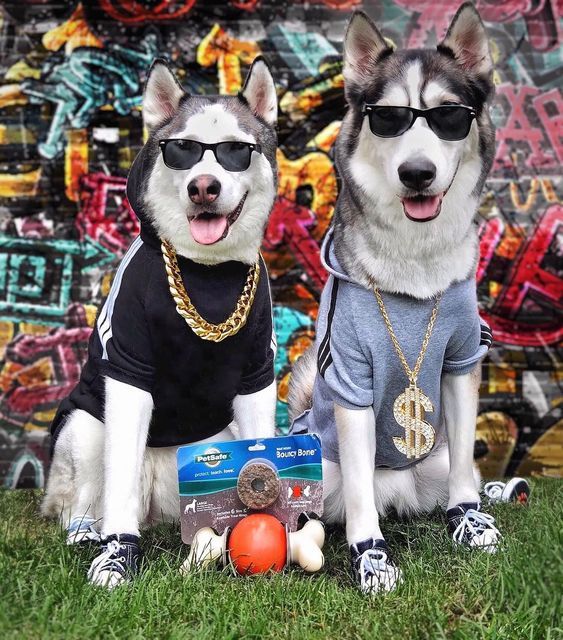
x: 473, y: 528
x: 117, y: 563
x: 373, y: 567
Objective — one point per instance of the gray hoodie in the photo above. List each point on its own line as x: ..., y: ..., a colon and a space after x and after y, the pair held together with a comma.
x: 357, y: 366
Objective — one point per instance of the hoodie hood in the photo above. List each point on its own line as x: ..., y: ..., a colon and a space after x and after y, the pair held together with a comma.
x: 136, y: 188
x: 329, y: 260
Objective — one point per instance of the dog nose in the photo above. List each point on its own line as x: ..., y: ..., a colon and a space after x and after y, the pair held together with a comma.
x: 417, y: 174
x: 204, y: 189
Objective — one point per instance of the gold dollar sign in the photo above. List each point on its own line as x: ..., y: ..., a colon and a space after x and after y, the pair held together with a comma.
x: 409, y: 411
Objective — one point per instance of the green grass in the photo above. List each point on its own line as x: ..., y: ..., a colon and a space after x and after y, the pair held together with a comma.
x: 448, y: 592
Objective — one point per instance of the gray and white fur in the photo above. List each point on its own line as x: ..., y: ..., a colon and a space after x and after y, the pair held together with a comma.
x: 376, y: 242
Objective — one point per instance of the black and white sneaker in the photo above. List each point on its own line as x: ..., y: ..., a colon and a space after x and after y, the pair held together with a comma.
x: 118, y: 562
x: 81, y: 530
x: 373, y: 567
x: 473, y: 528
x: 515, y: 490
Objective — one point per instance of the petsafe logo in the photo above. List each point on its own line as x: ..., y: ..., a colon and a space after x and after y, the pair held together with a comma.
x: 213, y: 457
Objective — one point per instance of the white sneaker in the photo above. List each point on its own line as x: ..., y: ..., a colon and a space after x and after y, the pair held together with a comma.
x: 81, y: 530
x: 473, y: 528
x: 373, y: 567
x: 118, y: 562
x: 515, y: 490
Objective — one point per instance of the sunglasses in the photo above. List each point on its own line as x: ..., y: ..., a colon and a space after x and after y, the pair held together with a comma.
x: 448, y: 122
x: 184, y: 154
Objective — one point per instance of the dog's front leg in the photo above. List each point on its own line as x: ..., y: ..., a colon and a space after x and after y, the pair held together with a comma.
x: 356, y: 443
x: 460, y: 400
x: 255, y: 413
x: 371, y: 561
x: 460, y: 397
x: 128, y: 412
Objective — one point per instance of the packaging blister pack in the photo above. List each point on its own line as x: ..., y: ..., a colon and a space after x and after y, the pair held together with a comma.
x: 222, y: 482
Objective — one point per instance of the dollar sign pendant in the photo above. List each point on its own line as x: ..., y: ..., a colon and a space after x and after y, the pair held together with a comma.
x: 409, y: 410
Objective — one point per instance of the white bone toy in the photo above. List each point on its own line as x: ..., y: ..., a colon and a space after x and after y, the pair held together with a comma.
x: 303, y: 548
x: 206, y: 547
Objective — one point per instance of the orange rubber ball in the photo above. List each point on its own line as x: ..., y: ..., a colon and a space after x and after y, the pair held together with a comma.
x: 258, y: 543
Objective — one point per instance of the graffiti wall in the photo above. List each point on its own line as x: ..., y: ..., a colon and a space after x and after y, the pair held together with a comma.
x: 71, y: 77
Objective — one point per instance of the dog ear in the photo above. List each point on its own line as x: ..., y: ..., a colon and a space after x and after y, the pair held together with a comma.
x: 363, y: 46
x: 259, y: 91
x: 467, y: 41
x: 162, y: 95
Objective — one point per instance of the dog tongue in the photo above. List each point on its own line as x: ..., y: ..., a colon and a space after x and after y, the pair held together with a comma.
x: 421, y: 208
x: 208, y: 229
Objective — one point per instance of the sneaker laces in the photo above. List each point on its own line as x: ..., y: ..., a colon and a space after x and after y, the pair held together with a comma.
x: 474, y: 523
x: 493, y: 490
x: 373, y: 561
x: 108, y: 560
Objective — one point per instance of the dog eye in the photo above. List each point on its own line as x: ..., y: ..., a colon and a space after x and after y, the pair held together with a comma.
x: 451, y: 114
x: 385, y: 114
x: 235, y: 146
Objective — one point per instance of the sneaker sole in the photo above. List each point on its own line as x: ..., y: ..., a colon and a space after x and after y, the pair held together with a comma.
x: 516, y: 490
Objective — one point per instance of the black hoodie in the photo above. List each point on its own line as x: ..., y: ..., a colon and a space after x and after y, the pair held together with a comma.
x: 140, y: 339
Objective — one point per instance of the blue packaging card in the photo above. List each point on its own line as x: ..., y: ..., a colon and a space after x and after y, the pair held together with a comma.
x: 208, y: 475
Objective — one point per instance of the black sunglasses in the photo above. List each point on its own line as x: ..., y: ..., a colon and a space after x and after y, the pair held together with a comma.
x: 184, y: 154
x: 448, y: 122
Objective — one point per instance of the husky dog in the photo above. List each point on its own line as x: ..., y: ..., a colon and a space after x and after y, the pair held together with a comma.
x: 203, y: 186
x: 413, y: 153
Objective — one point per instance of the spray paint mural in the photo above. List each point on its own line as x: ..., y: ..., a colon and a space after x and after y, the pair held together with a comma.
x: 71, y: 80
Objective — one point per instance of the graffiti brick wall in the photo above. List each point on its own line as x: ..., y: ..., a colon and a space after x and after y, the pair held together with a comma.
x: 71, y: 79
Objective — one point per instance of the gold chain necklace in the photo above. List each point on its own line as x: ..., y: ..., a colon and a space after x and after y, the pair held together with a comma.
x: 410, y: 406
x: 184, y: 306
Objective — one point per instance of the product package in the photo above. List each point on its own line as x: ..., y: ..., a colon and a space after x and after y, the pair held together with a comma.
x: 222, y: 482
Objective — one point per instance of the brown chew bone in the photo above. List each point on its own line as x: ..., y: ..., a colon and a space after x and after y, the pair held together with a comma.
x: 258, y: 485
